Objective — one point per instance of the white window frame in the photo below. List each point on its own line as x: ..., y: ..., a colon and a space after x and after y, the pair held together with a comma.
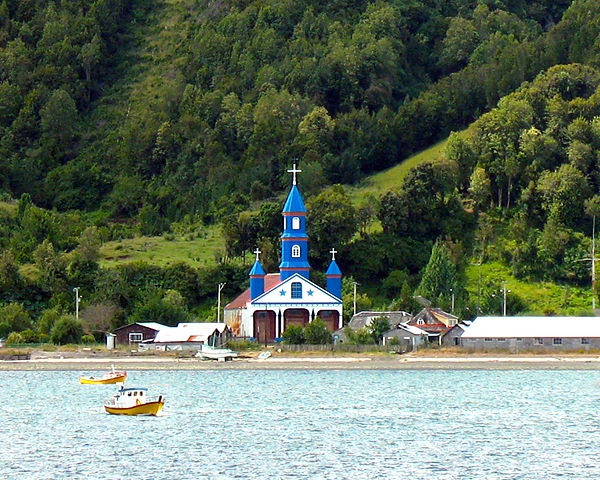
x: 295, y: 223
x: 296, y: 251
x: 296, y: 290
x: 136, y: 337
x: 557, y: 341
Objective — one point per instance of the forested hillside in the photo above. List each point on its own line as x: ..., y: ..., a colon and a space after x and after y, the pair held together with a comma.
x: 121, y: 118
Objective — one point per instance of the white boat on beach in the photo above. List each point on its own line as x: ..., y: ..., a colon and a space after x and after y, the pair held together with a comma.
x: 216, y: 353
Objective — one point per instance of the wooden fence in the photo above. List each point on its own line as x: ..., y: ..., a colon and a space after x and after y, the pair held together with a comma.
x: 344, y: 348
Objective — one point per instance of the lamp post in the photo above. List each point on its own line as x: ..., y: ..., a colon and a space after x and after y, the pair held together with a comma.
x: 77, y: 300
x: 452, y: 294
x: 221, y: 285
x: 355, y: 284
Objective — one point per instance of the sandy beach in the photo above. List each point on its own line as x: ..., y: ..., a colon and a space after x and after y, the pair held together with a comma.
x: 68, y: 361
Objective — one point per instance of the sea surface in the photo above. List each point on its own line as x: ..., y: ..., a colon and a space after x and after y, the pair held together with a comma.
x: 309, y: 424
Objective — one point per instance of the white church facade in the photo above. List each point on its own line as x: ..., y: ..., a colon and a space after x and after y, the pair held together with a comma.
x: 277, y: 300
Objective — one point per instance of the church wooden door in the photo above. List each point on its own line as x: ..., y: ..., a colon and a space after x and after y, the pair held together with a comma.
x: 264, y: 326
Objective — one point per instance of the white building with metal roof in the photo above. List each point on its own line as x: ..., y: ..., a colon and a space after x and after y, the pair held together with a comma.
x: 533, y: 333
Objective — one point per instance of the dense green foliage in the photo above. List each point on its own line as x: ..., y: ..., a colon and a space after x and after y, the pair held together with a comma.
x: 115, y: 124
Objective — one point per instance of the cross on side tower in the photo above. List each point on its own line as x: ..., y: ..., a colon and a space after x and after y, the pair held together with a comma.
x: 294, y: 171
x: 257, y: 252
x: 333, y: 251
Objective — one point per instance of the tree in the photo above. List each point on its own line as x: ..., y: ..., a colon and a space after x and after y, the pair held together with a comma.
x: 51, y: 266
x: 99, y: 317
x: 59, y: 118
x: 563, y: 194
x: 47, y: 320
x: 331, y: 221
x: 89, y: 245
x: 480, y: 187
x: 439, y: 276
x: 13, y: 318
x: 379, y: 326
x: 66, y: 330
x: 316, y: 333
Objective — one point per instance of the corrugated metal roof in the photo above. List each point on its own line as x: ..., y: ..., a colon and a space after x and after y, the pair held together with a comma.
x: 153, y: 325
x: 189, y: 332
x: 533, y: 327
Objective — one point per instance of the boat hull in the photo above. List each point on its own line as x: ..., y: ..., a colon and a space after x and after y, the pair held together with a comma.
x: 150, y: 408
x: 102, y: 381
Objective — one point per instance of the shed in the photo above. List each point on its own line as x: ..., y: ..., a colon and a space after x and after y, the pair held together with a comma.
x: 407, y: 335
x: 452, y: 338
x: 533, y: 333
x: 137, y: 332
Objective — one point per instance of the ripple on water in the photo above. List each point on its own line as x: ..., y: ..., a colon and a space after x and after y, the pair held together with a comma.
x: 306, y: 424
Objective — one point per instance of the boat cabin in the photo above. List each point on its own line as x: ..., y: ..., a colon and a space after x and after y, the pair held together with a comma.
x: 129, y: 396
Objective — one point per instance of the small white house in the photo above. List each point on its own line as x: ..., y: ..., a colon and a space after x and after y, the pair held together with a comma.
x: 191, y: 336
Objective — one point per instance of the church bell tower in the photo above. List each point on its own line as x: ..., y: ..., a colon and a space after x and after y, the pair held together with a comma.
x: 294, y: 241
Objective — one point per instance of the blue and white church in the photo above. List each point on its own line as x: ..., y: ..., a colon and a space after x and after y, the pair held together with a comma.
x: 277, y: 300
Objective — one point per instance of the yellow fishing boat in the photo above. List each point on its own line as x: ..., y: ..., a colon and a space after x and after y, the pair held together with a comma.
x: 134, y: 401
x: 109, y: 377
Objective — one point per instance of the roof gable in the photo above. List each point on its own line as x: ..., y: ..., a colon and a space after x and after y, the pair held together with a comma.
x: 310, y: 293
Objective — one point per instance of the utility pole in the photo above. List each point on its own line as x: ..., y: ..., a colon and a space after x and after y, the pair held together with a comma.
x: 504, y: 301
x: 355, y: 284
x: 594, y: 262
x: 452, y: 293
x: 221, y: 285
x: 77, y: 300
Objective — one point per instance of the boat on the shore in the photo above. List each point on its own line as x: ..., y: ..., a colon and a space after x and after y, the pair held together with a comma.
x: 134, y: 401
x: 215, y: 353
x: 108, y: 378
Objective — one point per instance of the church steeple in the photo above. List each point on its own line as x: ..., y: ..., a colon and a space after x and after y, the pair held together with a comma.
x: 294, y: 241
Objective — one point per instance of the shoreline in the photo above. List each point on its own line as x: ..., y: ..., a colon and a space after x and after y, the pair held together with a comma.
x: 362, y: 362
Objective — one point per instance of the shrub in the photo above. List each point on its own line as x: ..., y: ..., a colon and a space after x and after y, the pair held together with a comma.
x: 242, y: 345
x: 66, y: 330
x: 316, y: 333
x: 15, y: 338
x: 29, y: 336
x: 88, y: 339
x: 294, y: 335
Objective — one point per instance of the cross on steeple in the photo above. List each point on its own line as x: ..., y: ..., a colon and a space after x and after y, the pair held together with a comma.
x: 294, y: 171
x: 257, y: 252
x: 333, y: 251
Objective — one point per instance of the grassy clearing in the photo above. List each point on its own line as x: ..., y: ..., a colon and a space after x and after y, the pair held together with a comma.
x: 382, y: 182
x: 200, y: 251
x: 542, y: 297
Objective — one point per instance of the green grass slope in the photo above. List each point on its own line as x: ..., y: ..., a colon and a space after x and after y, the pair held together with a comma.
x: 381, y: 182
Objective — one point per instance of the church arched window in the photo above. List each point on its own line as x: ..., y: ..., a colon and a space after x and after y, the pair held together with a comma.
x: 296, y: 223
x: 296, y: 290
x: 296, y: 251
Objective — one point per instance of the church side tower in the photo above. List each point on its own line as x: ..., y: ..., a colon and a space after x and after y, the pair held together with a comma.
x: 294, y: 241
x: 334, y: 277
x: 257, y: 278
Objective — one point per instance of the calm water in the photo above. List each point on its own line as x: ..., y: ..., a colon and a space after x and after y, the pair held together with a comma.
x: 306, y: 424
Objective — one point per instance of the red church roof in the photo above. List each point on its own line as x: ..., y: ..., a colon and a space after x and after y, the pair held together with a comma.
x: 271, y: 281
